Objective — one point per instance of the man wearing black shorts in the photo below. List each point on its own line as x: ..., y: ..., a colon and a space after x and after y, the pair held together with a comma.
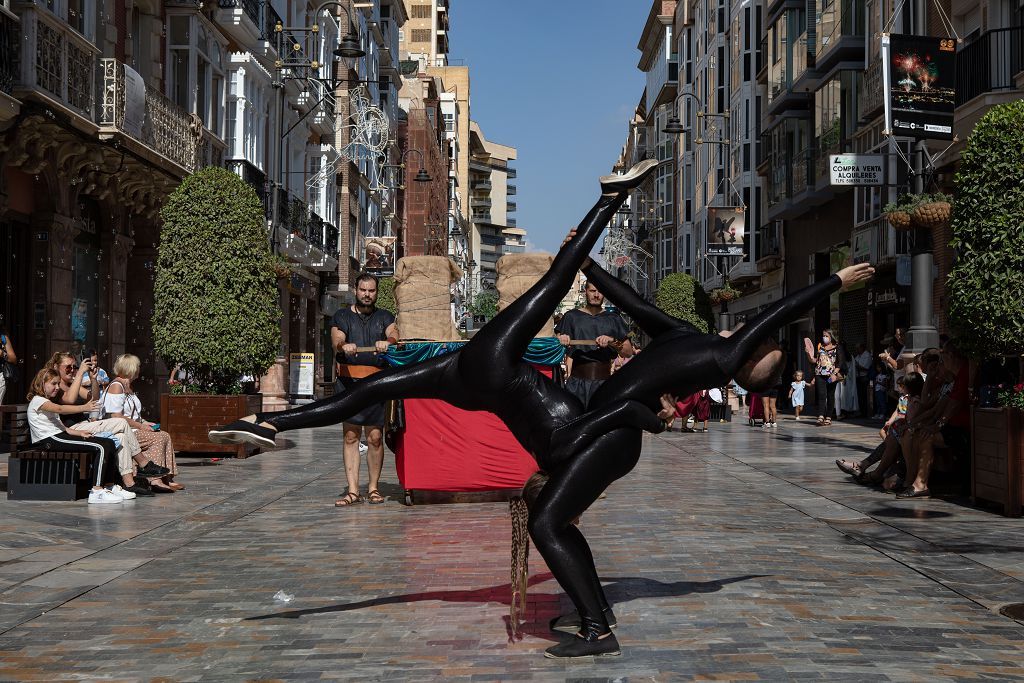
x: 362, y: 325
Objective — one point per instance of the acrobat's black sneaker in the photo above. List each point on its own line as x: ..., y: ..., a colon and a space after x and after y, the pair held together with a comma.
x: 241, y: 431
x: 616, y: 183
x: 570, y: 623
x: 578, y: 646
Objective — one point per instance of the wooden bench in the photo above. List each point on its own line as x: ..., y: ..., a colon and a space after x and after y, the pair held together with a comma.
x: 34, y: 474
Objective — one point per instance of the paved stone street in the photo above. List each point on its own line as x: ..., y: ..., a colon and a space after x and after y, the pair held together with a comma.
x: 733, y: 555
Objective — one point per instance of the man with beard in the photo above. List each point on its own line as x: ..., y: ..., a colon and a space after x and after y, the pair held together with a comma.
x: 362, y: 325
x: 588, y: 366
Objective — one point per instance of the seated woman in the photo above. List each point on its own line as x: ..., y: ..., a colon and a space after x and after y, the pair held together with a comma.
x: 71, y: 393
x: 893, y: 431
x: 120, y: 400
x: 48, y: 433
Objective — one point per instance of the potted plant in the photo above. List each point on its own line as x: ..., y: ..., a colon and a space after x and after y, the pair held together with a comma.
x: 216, y: 305
x: 988, y: 236
x: 932, y: 211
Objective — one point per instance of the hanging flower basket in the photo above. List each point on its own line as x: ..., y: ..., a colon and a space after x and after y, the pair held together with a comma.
x: 932, y: 215
x: 724, y: 294
x: 899, y: 220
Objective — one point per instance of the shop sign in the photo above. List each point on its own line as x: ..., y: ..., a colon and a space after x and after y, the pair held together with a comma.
x: 918, y: 77
x: 886, y: 296
x: 856, y: 169
x: 726, y: 231
x: 300, y: 374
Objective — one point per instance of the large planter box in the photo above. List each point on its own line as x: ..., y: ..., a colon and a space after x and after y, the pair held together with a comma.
x: 997, y: 458
x: 188, y: 418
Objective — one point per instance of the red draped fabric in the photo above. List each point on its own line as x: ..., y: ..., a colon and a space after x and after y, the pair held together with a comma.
x: 444, y: 448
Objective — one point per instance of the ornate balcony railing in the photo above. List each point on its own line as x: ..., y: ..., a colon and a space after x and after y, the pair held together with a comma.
x: 57, y: 61
x: 769, y: 241
x: 990, y: 63
x: 252, y: 8
x: 255, y: 178
x: 299, y: 219
x: 9, y: 30
x: 165, y: 127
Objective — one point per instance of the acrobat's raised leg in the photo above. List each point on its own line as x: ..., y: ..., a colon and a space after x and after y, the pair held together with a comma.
x: 423, y: 380
x: 502, y: 342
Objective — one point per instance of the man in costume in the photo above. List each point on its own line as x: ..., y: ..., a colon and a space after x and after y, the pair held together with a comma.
x: 588, y: 366
x: 488, y: 374
x: 362, y: 325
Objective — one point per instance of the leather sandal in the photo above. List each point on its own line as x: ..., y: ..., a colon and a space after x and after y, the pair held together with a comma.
x: 350, y: 498
x: 373, y: 497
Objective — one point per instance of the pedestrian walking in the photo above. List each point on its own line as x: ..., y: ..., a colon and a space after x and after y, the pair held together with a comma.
x: 796, y: 393
x: 827, y: 373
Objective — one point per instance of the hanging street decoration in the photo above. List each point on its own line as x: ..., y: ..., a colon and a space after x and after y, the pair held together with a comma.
x: 919, y: 81
x: 727, y: 231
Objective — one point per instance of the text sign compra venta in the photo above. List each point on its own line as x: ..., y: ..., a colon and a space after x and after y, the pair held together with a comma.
x: 856, y: 169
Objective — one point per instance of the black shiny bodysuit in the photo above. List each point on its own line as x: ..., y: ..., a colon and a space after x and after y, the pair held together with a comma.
x: 582, y: 453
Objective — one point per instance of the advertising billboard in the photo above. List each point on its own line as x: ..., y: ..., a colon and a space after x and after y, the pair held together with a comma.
x: 919, y: 78
x: 727, y: 231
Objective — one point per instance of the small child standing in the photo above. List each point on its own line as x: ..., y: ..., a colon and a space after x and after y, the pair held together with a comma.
x: 796, y: 392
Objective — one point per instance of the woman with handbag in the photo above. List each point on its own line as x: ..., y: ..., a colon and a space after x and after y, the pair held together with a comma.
x: 8, y: 365
x: 827, y: 373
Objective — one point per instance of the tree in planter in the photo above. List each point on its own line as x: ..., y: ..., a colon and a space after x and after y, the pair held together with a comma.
x: 988, y: 236
x: 217, y: 311
x: 681, y: 296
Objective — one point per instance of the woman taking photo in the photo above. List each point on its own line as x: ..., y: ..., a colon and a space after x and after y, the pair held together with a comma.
x: 119, y: 400
x: 827, y: 373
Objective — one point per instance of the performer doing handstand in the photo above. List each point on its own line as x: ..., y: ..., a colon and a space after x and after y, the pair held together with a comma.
x: 488, y: 374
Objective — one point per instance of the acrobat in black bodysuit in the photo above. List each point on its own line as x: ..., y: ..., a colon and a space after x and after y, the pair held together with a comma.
x: 488, y: 374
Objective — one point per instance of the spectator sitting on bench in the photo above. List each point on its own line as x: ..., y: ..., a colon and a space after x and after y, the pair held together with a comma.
x: 892, y: 432
x: 119, y: 400
x: 129, y: 453
x: 948, y: 425
x: 49, y: 434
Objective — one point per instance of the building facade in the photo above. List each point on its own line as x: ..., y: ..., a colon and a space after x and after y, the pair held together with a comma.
x: 425, y: 37
x: 492, y: 204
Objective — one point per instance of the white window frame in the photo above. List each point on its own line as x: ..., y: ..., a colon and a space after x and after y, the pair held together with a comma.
x: 212, y: 52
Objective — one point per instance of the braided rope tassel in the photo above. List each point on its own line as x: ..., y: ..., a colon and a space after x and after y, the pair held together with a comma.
x: 520, y: 562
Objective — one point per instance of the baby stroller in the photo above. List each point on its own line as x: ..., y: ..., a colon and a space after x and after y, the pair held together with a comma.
x: 755, y: 411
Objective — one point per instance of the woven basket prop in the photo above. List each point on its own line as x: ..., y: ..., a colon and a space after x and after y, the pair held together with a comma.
x: 899, y: 220
x: 932, y: 215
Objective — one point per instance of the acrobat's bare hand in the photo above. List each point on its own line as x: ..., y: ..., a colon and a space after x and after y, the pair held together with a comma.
x: 852, y: 275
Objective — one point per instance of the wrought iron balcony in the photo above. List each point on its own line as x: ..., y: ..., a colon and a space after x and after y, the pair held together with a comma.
x: 510, y: 207
x: 297, y: 218
x: 870, y: 103
x: 252, y: 8
x: 989, y: 64
x: 253, y: 177
x: 9, y: 30
x: 165, y: 128
x: 57, y: 61
x: 768, y: 250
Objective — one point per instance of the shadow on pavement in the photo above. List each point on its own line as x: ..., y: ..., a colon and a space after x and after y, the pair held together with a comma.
x: 617, y: 589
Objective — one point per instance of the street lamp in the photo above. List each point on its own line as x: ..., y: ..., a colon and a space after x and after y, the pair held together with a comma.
x: 421, y: 175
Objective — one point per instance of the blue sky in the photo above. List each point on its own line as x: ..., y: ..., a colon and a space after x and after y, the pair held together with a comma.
x: 558, y: 81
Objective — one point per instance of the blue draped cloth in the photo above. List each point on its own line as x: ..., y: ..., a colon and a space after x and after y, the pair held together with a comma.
x: 542, y: 351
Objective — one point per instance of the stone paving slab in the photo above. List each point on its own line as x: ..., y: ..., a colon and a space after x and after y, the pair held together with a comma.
x: 732, y: 555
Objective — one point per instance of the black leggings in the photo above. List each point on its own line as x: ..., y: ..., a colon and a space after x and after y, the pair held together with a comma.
x: 105, y: 449
x: 825, y: 392
x: 488, y: 374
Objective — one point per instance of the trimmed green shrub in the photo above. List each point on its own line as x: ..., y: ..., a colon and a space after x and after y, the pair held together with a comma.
x: 986, y: 284
x: 386, y: 295
x: 681, y: 296
x: 217, y: 311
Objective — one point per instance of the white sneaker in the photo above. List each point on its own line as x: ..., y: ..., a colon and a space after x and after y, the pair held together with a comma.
x: 103, y: 497
x: 118, y: 491
x: 363, y: 448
